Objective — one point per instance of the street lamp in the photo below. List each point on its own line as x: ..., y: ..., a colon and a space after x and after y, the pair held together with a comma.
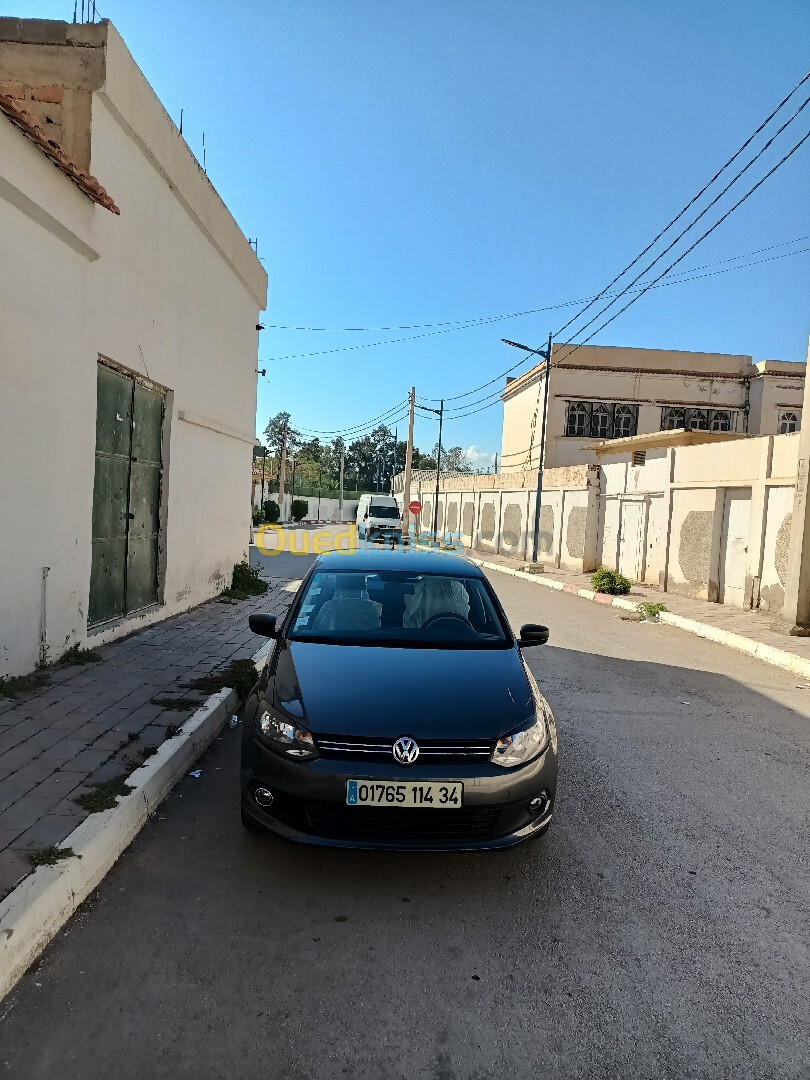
x: 546, y: 355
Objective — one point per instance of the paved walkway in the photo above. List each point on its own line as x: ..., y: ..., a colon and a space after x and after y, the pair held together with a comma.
x: 754, y: 625
x: 91, y: 723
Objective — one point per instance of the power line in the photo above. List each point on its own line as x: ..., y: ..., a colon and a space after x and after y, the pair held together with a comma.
x: 481, y: 319
x: 680, y: 279
x: 355, y: 427
x: 699, y: 240
x: 471, y: 324
x: 689, y: 227
x: 691, y: 202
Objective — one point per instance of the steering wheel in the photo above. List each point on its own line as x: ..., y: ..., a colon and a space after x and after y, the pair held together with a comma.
x: 444, y: 616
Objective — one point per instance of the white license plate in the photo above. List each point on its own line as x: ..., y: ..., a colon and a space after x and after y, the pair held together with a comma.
x: 438, y: 795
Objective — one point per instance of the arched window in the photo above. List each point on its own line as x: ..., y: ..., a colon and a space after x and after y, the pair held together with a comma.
x: 671, y: 419
x: 720, y: 421
x: 577, y: 420
x: 600, y: 422
x: 625, y: 421
x: 788, y: 423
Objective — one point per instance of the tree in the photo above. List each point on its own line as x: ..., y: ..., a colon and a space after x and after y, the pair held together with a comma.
x: 274, y: 434
x: 454, y: 459
x: 369, y: 460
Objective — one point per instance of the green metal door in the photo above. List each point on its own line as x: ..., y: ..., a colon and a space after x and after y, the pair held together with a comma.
x: 126, y: 497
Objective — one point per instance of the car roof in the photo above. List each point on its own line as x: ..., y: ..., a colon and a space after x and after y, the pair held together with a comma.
x: 368, y: 560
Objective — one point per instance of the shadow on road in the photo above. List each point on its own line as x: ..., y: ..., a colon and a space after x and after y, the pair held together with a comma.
x: 660, y: 928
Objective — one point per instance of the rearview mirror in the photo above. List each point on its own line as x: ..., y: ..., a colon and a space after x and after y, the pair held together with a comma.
x: 532, y: 634
x: 264, y: 624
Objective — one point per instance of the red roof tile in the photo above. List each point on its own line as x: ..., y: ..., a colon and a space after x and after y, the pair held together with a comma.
x: 30, y: 128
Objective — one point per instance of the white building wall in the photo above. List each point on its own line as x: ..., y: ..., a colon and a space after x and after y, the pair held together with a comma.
x: 170, y: 291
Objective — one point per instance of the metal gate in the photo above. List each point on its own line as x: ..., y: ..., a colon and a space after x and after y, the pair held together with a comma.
x: 126, y: 497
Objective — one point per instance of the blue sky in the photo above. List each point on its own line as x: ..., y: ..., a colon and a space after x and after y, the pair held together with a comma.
x: 436, y: 160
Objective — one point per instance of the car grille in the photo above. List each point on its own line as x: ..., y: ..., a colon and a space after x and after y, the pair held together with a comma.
x: 371, y: 824
x: 343, y: 747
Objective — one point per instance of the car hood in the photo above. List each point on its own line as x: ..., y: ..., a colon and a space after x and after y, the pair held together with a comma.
x: 384, y: 691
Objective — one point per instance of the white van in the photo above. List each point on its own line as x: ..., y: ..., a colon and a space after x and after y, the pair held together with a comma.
x: 378, y: 518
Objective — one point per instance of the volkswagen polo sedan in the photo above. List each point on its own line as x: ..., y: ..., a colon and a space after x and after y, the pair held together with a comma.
x: 397, y: 711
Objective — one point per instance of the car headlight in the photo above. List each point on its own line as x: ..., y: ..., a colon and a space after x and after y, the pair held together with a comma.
x: 521, y: 746
x: 286, y: 736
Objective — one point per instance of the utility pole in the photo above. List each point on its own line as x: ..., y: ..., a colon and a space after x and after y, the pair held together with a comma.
x: 393, y: 462
x: 406, y: 490
x: 546, y: 355
x: 438, y: 473
x: 795, y: 617
x: 264, y: 459
x: 496, y: 465
x: 282, y: 473
x: 340, y: 501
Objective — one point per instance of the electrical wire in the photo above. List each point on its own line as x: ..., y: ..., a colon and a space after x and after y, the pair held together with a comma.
x: 642, y: 289
x: 689, y: 227
x: 480, y: 319
x: 691, y: 202
x: 699, y: 240
x: 355, y: 427
x: 498, y: 318
x: 680, y: 279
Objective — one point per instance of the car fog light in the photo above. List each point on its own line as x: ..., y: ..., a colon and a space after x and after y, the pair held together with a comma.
x: 263, y: 797
x: 538, y: 804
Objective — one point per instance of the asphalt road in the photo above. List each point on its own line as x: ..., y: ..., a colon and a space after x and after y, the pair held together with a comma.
x: 660, y: 929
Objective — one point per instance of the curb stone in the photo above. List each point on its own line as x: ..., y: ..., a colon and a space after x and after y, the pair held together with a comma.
x: 797, y: 665
x: 41, y: 904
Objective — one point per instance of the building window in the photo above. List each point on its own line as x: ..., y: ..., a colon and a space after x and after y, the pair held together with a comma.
x: 600, y: 420
x: 697, y: 419
x: 788, y: 423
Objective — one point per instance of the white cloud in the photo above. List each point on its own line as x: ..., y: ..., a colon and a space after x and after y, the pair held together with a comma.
x: 480, y: 459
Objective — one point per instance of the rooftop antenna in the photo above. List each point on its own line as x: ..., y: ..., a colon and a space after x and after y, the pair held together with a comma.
x: 75, y: 9
x: 204, y: 168
x: 181, y: 121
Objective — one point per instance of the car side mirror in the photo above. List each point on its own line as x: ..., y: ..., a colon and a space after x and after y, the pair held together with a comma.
x: 532, y: 634
x: 365, y: 515
x: 264, y: 624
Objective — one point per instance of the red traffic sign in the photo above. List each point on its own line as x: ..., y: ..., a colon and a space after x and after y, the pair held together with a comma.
x: 415, y: 507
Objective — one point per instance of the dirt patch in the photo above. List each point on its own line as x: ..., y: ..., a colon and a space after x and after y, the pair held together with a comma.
x: 546, y: 540
x: 452, y: 517
x: 782, y: 549
x: 488, y: 522
x: 512, y: 525
x: 575, y: 532
x: 467, y: 519
x: 695, y: 546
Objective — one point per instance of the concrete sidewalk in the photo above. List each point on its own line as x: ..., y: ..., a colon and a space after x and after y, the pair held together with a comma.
x: 747, y: 631
x: 92, y: 723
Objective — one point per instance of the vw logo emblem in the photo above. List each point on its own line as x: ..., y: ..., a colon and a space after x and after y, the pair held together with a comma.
x: 405, y: 750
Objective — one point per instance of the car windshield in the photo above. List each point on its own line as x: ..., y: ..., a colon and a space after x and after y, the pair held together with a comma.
x: 399, y: 608
x: 383, y: 511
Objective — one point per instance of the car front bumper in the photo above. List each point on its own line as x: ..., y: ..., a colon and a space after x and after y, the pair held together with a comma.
x: 309, y: 803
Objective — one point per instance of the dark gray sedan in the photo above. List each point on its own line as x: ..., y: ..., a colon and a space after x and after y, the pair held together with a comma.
x: 397, y: 711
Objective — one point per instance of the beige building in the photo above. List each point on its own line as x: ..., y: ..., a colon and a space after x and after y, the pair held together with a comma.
x: 127, y: 356
x: 602, y: 392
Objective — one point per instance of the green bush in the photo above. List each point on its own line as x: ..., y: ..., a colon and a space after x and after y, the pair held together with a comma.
x: 610, y: 581
x: 299, y: 509
x: 258, y: 516
x: 650, y: 611
x: 246, y: 582
x: 272, y: 511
